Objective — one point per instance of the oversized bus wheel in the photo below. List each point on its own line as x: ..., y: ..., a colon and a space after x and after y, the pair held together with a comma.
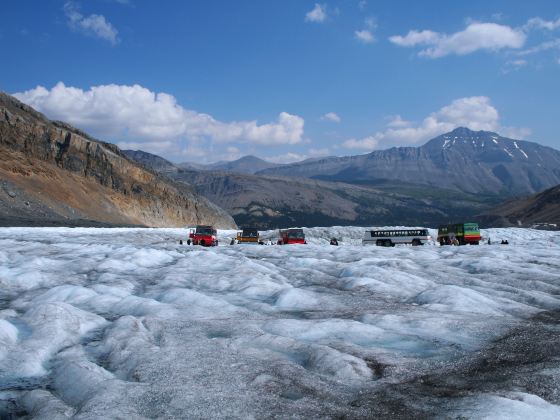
x: 379, y: 242
x: 416, y: 242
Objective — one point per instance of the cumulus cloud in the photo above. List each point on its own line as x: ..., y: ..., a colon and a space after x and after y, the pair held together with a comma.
x: 366, y: 143
x: 318, y: 14
x: 331, y: 116
x: 475, y: 112
x: 364, y: 36
x: 94, y: 25
x: 398, y: 122
x: 136, y: 114
x: 475, y: 37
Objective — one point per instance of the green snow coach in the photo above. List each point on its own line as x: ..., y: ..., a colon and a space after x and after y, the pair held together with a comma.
x: 459, y: 234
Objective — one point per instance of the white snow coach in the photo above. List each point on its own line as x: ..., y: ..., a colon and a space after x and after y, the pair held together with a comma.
x: 392, y: 237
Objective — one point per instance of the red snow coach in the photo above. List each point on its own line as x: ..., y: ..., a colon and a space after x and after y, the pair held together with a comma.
x: 291, y: 236
x: 203, y: 235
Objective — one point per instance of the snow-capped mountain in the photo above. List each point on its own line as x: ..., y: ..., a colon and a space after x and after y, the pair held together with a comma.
x: 462, y: 160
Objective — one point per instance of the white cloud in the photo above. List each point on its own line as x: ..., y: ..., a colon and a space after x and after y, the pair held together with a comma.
x: 475, y: 37
x: 540, y: 23
x: 331, y: 116
x: 136, y: 114
x: 475, y: 112
x: 291, y: 157
x: 366, y: 143
x: 398, y: 122
x: 362, y: 4
x: 545, y: 46
x: 364, y: 36
x: 95, y: 25
x: 317, y: 14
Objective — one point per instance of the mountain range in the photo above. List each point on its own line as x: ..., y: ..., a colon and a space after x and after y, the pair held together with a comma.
x: 274, y: 201
x: 454, y: 176
x: 245, y: 165
x: 461, y: 160
x: 54, y: 174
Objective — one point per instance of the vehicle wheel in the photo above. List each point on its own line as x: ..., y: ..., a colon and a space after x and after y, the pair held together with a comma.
x: 279, y: 243
x: 379, y: 242
x: 188, y: 241
x: 216, y: 243
x: 391, y: 243
x: 475, y: 243
x: 202, y: 242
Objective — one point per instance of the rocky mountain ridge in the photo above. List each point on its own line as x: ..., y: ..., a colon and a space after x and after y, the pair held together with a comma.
x: 272, y: 201
x: 462, y: 160
x: 540, y: 210
x: 245, y: 165
x: 53, y: 173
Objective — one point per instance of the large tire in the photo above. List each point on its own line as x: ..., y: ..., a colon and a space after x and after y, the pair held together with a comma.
x: 391, y: 243
x: 202, y: 242
x: 379, y: 242
x: 416, y: 242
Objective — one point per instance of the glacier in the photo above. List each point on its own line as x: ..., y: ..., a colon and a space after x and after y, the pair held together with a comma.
x: 129, y: 323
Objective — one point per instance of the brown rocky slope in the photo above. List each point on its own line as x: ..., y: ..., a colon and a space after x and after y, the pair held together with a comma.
x: 54, y: 174
x: 540, y: 210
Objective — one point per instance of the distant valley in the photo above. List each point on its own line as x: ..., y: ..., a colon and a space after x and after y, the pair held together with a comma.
x: 275, y: 201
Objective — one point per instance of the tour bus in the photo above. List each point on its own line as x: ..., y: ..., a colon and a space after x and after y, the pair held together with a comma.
x: 291, y: 236
x: 459, y: 233
x: 392, y: 237
x: 249, y: 236
x: 203, y: 235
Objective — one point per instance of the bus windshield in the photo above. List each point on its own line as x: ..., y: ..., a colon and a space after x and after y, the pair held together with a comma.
x: 250, y: 233
x: 205, y: 230
x: 296, y: 234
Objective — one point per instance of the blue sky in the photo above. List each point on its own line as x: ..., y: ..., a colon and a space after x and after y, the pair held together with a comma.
x: 285, y: 80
